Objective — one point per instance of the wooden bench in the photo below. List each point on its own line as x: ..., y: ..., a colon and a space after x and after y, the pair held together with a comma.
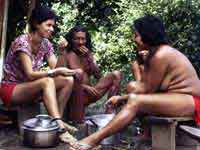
x: 166, y: 134
x: 21, y: 113
x: 25, y: 112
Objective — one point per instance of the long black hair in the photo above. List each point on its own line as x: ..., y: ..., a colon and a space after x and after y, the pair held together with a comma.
x: 70, y: 35
x: 151, y: 29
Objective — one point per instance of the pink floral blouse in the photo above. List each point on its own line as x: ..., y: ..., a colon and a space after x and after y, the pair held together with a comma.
x: 13, y: 70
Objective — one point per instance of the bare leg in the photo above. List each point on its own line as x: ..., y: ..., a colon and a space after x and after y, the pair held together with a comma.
x: 135, y: 87
x: 108, y: 81
x: 106, y: 84
x: 64, y: 87
x: 29, y: 92
x: 156, y: 104
x: 85, y: 94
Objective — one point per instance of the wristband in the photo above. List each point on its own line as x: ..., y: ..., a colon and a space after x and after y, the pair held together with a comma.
x: 132, y: 96
x: 50, y: 73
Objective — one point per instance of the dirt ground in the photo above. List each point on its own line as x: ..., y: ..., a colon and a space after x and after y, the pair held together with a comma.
x: 10, y: 140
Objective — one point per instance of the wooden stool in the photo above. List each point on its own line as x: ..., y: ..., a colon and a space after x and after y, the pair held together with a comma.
x: 21, y: 113
x: 166, y: 135
x: 25, y: 112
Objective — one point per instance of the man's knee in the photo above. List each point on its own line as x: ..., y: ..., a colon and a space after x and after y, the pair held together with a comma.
x: 135, y: 87
x: 117, y: 75
x: 131, y: 87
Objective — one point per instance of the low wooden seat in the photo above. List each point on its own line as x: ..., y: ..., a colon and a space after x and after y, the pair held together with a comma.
x: 20, y: 113
x: 7, y: 117
x: 194, y: 132
x: 166, y: 134
x: 25, y: 112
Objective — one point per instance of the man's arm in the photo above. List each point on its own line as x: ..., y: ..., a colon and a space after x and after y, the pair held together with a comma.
x: 95, y: 68
x: 135, y: 68
x: 61, y: 62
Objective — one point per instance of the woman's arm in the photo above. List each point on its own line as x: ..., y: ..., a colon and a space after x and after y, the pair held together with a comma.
x: 27, y: 66
x: 52, y: 61
x: 33, y: 75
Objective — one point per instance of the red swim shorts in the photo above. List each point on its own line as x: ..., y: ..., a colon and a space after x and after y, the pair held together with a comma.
x: 197, y: 110
x: 6, y: 90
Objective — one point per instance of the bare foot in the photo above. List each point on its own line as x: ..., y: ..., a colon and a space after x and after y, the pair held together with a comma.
x: 67, y: 138
x: 66, y: 126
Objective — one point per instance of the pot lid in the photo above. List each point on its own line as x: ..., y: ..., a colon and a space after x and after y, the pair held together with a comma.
x: 101, y: 120
x: 40, y: 123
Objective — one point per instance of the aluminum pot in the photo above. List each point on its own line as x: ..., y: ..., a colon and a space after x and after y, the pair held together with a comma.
x: 41, y: 131
x: 96, y: 122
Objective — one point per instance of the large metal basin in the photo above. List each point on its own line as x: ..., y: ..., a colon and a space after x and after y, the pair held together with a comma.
x: 97, y: 122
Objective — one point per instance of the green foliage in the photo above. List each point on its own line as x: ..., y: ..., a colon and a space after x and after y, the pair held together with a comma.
x: 182, y: 22
x: 109, y: 23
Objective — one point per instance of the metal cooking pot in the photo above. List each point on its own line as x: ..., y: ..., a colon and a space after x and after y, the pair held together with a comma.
x: 41, y: 131
x: 96, y: 122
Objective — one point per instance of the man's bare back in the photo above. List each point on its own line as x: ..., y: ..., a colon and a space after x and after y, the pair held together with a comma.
x: 166, y: 76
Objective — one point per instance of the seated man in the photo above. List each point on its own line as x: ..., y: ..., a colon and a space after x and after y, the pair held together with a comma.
x: 80, y: 58
x: 170, y: 85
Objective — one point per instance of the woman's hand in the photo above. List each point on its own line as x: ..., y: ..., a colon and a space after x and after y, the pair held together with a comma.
x: 64, y: 71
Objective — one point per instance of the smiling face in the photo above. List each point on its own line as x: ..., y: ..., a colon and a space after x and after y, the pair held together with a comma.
x: 79, y: 39
x: 46, y: 28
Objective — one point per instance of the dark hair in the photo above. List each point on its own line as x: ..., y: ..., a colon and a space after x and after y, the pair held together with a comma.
x: 70, y: 35
x: 151, y: 29
x: 39, y: 15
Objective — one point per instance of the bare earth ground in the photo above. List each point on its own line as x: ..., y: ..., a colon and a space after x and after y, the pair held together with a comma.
x: 10, y: 140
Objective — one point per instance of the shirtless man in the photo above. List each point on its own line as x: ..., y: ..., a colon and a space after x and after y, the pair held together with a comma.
x: 170, y: 85
x: 79, y: 57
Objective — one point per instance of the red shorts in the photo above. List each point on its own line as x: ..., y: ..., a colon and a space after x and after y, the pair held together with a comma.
x: 6, y: 91
x: 197, y: 109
